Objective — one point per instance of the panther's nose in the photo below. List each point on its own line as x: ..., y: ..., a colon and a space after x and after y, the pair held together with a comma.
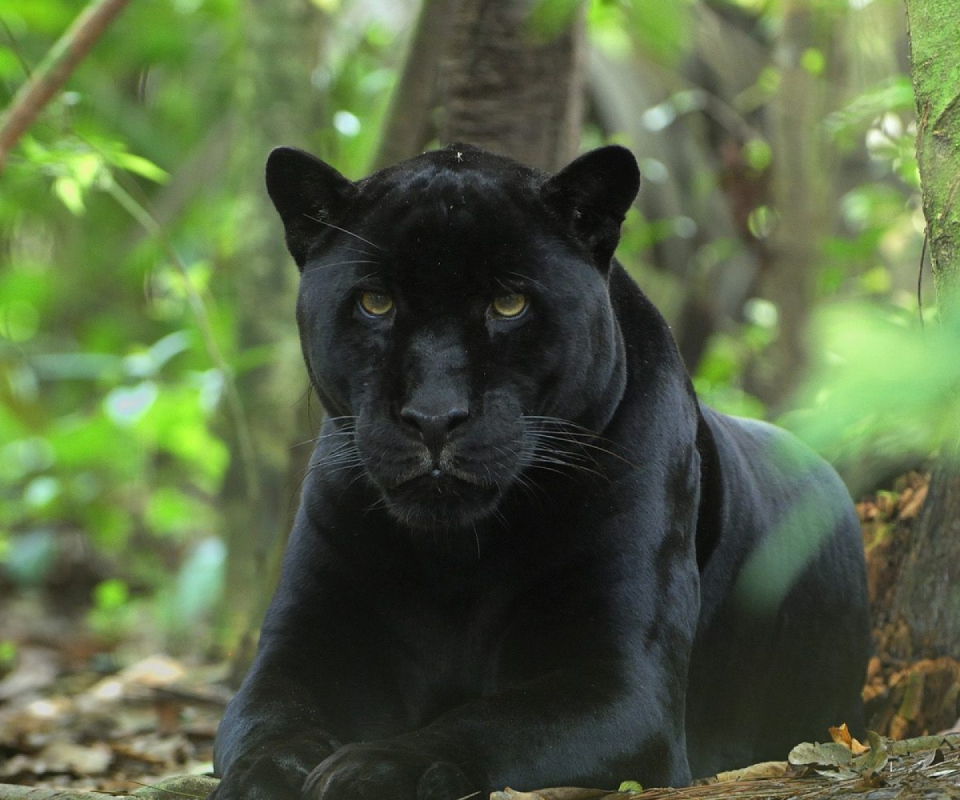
x: 434, y: 428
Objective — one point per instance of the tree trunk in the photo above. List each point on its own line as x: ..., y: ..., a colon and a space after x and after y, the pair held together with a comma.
x: 928, y: 598
x: 800, y: 204
x: 508, y: 90
x: 407, y: 127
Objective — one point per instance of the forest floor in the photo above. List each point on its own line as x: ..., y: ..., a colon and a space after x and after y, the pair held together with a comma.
x: 73, y: 718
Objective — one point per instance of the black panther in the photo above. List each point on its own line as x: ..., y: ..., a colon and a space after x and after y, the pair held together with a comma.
x: 525, y: 554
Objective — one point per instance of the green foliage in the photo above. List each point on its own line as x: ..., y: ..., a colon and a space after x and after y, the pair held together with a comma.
x: 883, y: 389
x: 120, y: 250
x: 109, y: 404
x: 660, y: 30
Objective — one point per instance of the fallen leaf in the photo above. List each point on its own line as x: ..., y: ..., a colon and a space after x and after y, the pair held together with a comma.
x: 74, y: 758
x: 842, y: 736
x: 36, y: 669
x: 877, y: 757
x: 553, y: 793
x: 930, y: 759
x: 828, y: 754
x: 765, y: 769
x: 841, y: 774
x: 911, y: 504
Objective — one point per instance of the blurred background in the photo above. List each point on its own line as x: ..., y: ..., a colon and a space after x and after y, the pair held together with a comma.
x: 154, y: 415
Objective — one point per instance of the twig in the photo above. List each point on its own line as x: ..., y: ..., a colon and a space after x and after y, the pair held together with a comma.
x: 53, y: 72
x: 15, y: 48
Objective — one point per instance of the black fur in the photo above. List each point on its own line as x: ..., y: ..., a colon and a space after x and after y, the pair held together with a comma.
x: 525, y: 554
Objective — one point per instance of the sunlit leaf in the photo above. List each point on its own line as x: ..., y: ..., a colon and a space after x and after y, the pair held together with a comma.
x: 892, y: 94
x: 85, y: 168
x: 69, y: 191
x: 171, y: 512
x: 883, y: 387
x: 110, y: 594
x: 813, y: 61
x: 140, y: 166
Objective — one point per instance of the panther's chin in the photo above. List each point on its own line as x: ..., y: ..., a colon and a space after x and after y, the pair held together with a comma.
x: 436, y: 501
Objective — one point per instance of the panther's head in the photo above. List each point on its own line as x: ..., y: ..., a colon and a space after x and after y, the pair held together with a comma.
x: 455, y: 318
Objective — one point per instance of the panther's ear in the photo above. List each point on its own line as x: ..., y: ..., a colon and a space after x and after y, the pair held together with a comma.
x: 306, y: 192
x: 592, y: 195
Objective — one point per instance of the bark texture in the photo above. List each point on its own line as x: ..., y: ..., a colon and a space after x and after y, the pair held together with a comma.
x: 505, y: 88
x: 407, y: 128
x: 928, y: 599
x: 935, y: 68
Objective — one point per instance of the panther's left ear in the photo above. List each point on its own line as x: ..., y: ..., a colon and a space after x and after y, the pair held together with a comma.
x: 307, y: 193
x: 592, y: 195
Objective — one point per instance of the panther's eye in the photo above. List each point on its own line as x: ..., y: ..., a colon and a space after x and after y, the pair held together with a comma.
x: 509, y: 306
x: 375, y: 304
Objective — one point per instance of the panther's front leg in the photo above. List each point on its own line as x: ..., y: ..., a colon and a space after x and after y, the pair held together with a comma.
x: 584, y: 686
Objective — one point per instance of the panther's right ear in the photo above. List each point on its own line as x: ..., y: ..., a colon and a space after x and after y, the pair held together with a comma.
x: 592, y: 196
x: 306, y: 192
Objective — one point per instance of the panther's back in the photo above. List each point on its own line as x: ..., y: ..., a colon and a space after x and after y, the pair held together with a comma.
x: 782, y: 645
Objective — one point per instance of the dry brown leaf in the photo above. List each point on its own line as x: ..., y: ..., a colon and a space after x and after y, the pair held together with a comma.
x: 75, y: 759
x: 842, y: 736
x: 36, y: 669
x: 911, y: 504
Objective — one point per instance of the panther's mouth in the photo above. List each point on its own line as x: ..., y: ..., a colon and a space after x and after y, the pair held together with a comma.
x: 441, y: 498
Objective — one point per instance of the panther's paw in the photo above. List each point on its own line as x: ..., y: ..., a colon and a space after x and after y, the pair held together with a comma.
x: 382, y: 771
x: 275, y: 772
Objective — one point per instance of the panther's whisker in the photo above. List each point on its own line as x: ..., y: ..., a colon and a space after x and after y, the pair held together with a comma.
x: 577, y: 437
x: 588, y: 445
x: 344, y: 230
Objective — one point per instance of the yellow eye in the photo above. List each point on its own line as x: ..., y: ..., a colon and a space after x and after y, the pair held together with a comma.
x: 509, y: 306
x: 376, y: 304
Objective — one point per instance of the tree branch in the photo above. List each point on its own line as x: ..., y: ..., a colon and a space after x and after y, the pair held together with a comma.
x: 57, y: 66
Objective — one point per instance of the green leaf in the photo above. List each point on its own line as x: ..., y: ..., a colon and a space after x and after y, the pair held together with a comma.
x: 85, y: 168
x: 663, y: 29
x: 171, y: 512
x: 813, y: 61
x: 8, y: 654
x: 140, y: 166
x: 110, y: 594
x: 69, y: 191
